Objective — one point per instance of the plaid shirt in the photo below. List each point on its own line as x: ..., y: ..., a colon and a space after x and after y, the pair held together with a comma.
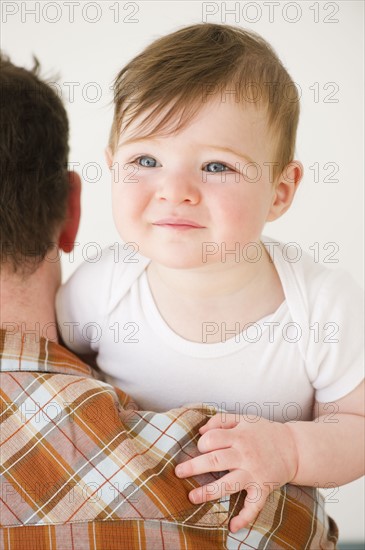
x: 82, y: 468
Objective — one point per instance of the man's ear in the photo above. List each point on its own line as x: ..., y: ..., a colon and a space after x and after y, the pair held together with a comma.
x: 285, y: 189
x: 108, y: 156
x: 71, y: 224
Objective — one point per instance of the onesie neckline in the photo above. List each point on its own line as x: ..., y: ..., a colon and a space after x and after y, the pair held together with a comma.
x: 199, y: 349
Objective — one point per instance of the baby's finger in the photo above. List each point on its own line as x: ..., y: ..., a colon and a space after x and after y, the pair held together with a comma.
x: 214, y: 440
x: 216, y: 461
x: 220, y: 420
x: 229, y: 484
x: 252, y: 507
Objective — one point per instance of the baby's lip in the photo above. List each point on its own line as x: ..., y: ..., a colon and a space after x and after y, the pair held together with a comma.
x: 178, y: 221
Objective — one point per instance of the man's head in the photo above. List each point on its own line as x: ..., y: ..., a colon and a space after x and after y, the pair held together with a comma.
x: 182, y: 71
x: 35, y: 183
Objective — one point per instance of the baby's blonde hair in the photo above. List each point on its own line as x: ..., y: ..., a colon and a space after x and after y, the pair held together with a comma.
x: 185, y: 69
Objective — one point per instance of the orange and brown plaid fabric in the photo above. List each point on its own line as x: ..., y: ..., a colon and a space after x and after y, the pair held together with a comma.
x: 82, y: 468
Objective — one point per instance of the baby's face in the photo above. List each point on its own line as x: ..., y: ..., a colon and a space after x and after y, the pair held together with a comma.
x: 208, y: 183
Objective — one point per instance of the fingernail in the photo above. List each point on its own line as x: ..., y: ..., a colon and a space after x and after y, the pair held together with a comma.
x: 179, y: 471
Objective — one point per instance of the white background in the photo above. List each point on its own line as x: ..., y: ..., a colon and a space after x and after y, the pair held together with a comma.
x: 321, y: 45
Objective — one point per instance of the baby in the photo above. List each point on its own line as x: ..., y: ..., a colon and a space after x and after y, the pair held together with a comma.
x: 196, y: 305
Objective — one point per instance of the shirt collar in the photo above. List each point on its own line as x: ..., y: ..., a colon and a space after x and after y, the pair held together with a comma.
x: 20, y: 351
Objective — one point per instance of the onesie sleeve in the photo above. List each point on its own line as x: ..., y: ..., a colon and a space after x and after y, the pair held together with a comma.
x: 336, y: 337
x: 80, y: 304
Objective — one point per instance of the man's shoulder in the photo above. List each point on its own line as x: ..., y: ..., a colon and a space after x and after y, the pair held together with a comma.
x: 31, y: 351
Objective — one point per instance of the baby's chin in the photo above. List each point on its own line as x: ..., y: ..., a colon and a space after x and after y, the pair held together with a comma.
x: 174, y: 257
x: 178, y: 262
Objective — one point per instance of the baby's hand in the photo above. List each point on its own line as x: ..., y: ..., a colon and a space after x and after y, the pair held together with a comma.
x: 260, y: 455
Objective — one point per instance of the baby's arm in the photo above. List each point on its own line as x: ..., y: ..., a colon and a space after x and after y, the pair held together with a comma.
x: 79, y: 305
x: 84, y: 303
x: 333, y: 441
x: 262, y: 455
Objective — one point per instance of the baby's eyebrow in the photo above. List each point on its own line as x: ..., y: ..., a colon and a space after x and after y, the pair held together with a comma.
x: 146, y: 139
x: 206, y: 146
x: 229, y: 150
x: 135, y: 140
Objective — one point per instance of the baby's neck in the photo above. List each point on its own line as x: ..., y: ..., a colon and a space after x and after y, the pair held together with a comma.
x: 216, y: 282
x: 234, y: 297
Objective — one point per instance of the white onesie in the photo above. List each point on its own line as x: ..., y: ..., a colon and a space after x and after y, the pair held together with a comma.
x: 310, y: 348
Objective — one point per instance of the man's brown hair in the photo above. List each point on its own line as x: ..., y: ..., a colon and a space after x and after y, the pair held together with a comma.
x: 33, y: 166
x: 186, y: 68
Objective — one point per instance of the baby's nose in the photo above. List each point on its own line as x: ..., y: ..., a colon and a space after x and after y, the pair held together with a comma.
x: 177, y: 189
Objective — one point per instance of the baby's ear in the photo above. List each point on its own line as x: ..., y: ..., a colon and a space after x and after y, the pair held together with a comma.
x: 293, y: 173
x: 108, y: 156
x: 285, y: 189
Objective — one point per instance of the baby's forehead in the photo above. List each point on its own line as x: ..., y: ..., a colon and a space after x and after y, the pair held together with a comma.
x: 160, y: 122
x: 222, y: 126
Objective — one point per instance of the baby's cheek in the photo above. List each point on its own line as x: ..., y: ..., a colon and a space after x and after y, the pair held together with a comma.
x: 117, y: 217
x: 242, y: 220
x: 121, y: 207
x: 129, y: 210
x: 124, y: 198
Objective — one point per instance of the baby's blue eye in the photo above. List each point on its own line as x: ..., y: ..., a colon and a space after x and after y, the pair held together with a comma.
x: 149, y: 162
x: 215, y: 165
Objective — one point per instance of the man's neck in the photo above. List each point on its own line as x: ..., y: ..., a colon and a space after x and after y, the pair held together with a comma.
x: 27, y: 304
